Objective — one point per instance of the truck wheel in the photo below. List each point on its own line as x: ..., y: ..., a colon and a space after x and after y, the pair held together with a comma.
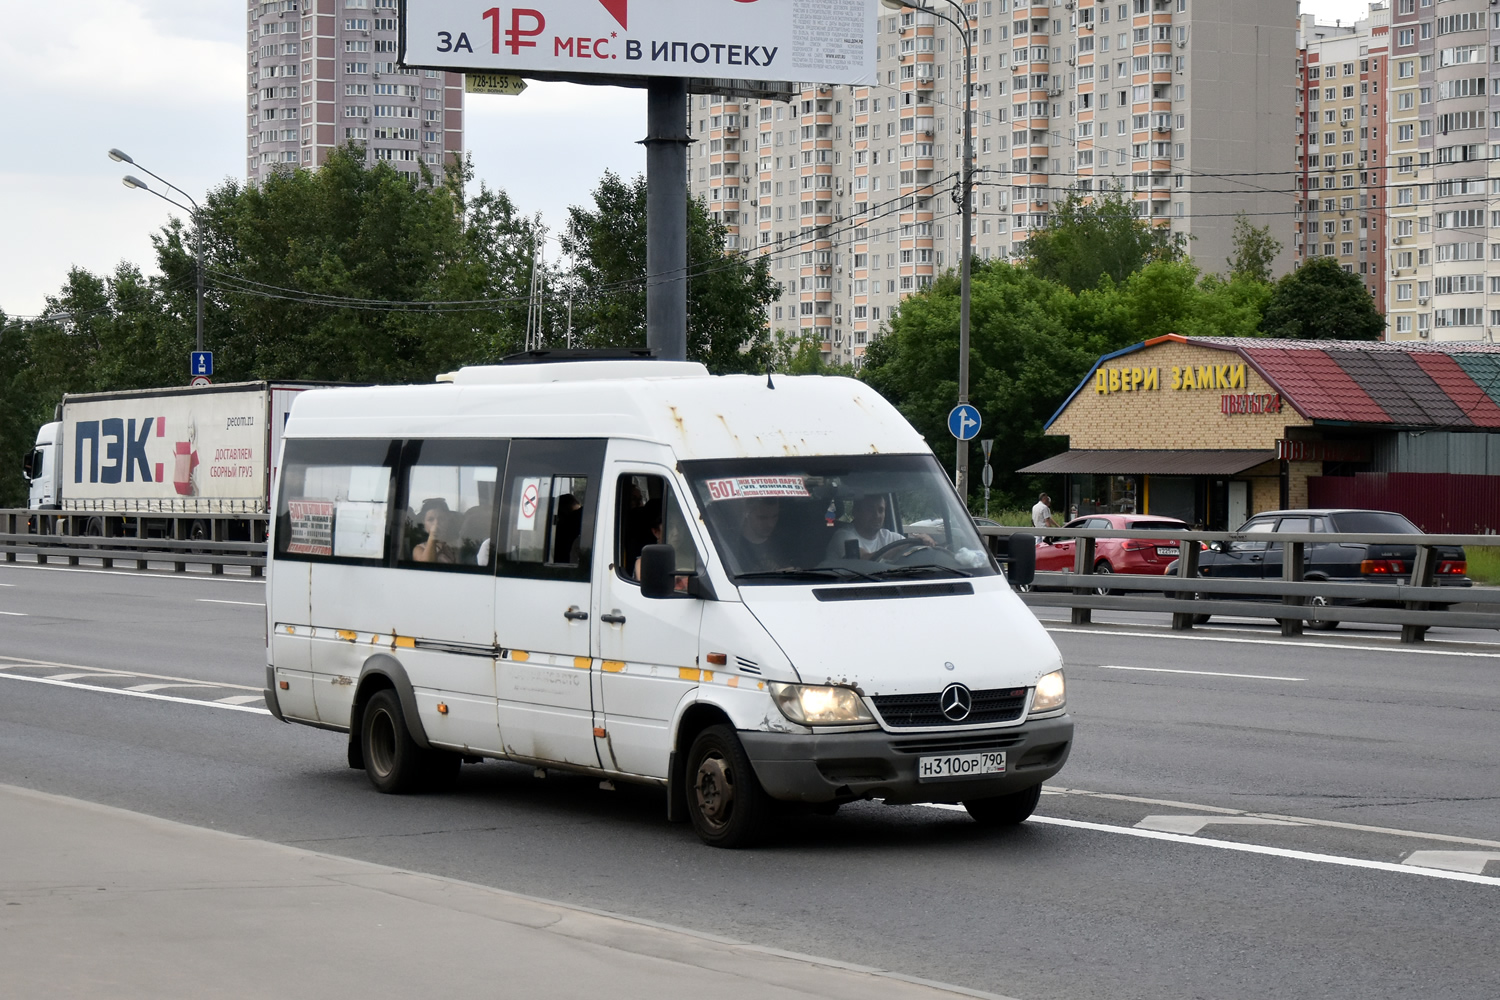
x: 1004, y: 810
x: 394, y: 762
x: 724, y: 798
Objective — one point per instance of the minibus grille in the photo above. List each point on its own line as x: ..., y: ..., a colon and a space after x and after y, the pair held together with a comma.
x: 958, y: 744
x: 904, y: 711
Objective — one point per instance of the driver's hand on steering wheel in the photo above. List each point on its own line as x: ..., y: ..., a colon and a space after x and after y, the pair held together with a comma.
x: 917, y: 536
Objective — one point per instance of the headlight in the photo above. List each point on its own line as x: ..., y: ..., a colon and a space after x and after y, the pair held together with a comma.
x: 1051, y: 693
x: 807, y: 705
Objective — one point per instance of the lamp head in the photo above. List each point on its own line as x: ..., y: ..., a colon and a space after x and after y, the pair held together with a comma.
x: 120, y: 156
x: 131, y: 181
x: 898, y: 4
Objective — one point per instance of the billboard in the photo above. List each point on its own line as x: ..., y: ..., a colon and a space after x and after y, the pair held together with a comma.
x: 166, y: 451
x: 820, y: 41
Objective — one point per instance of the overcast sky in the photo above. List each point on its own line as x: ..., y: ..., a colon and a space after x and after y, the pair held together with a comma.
x: 164, y: 80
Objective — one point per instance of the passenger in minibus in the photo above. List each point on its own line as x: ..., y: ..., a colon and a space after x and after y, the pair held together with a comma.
x: 758, y: 550
x: 440, y: 523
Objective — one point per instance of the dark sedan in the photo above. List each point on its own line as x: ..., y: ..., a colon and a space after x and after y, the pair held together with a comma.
x: 1336, y: 562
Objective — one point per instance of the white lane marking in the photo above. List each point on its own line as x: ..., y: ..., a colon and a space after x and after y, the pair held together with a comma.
x: 248, y: 604
x: 14, y: 614
x: 7, y: 585
x: 135, y: 694
x: 1453, y: 861
x: 77, y: 674
x: 1201, y: 673
x: 1230, y: 845
x: 1189, y: 825
x: 158, y: 687
x: 240, y: 699
x: 1392, y: 648
x: 1302, y: 820
x: 24, y: 661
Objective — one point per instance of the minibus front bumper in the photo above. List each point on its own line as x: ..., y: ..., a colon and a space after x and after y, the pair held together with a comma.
x: 840, y: 767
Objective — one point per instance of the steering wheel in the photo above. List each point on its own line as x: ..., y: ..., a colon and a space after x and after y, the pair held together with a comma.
x: 900, y: 543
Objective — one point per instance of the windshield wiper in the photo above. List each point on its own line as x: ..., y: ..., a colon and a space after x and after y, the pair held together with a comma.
x: 922, y: 570
x: 818, y: 573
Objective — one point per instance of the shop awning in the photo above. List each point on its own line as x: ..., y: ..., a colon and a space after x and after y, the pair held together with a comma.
x: 1152, y: 462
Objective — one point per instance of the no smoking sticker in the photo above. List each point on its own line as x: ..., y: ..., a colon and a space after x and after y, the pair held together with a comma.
x: 530, y: 497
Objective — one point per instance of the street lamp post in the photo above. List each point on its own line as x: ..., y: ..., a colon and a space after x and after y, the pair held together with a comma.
x: 966, y: 210
x: 136, y: 183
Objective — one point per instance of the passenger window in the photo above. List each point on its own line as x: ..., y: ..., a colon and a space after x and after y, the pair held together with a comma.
x: 548, y: 508
x: 448, y: 506
x: 1293, y: 524
x: 647, y: 513
x: 335, y: 499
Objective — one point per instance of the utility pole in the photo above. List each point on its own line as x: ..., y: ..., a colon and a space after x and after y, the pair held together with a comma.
x: 666, y: 145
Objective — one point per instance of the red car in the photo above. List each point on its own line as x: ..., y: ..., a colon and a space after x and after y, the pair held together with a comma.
x: 1115, y: 555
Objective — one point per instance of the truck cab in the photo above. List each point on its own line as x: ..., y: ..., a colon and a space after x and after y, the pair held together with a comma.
x: 40, y: 468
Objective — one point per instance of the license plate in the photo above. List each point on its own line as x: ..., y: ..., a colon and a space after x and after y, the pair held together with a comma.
x: 1167, y: 550
x: 963, y: 765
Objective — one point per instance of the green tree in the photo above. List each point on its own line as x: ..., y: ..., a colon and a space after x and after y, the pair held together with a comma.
x: 1255, y: 251
x: 727, y: 294
x: 1322, y: 301
x: 1168, y: 297
x: 1085, y: 241
x: 1025, y: 359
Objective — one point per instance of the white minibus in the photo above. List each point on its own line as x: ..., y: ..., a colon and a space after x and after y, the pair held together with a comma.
x: 750, y: 591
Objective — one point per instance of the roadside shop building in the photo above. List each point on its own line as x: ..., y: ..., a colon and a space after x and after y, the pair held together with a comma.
x: 1214, y: 429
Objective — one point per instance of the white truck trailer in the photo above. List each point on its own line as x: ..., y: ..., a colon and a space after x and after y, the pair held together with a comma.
x: 164, y: 463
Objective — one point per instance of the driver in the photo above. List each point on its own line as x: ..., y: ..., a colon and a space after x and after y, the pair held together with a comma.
x: 866, y: 534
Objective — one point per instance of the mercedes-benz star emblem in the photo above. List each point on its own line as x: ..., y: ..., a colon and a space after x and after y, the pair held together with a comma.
x: 955, y: 702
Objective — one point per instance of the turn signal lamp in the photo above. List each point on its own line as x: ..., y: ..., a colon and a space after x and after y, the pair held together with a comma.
x: 1453, y: 567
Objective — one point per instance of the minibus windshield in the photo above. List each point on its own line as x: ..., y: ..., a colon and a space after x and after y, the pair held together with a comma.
x: 836, y: 519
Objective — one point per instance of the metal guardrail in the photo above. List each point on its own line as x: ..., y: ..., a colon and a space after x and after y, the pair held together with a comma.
x: 1415, y: 605
x: 19, y: 539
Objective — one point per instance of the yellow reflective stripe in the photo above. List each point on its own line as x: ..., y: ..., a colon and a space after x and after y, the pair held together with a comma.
x: 614, y: 666
x: 690, y: 673
x: 582, y: 662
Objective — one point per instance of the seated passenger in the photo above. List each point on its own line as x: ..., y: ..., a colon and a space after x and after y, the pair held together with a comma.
x: 866, y: 534
x: 757, y: 549
x: 439, y: 522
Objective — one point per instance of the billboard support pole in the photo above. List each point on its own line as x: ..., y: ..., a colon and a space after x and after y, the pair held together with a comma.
x: 666, y: 145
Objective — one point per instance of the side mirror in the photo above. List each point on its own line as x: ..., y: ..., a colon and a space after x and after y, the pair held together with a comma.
x: 1222, y: 546
x: 28, y: 465
x: 658, y: 571
x: 1020, y: 568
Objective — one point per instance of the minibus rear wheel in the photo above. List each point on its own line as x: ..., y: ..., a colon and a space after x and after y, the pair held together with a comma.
x: 1005, y: 810
x: 393, y: 760
x: 724, y: 798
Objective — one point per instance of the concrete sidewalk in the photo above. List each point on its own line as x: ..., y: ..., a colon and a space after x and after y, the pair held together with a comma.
x: 101, y: 902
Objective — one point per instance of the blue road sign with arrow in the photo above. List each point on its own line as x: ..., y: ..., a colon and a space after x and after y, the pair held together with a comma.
x: 964, y: 422
x: 202, y: 363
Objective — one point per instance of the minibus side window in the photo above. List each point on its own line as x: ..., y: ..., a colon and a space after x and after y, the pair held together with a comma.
x: 647, y: 513
x: 548, y: 508
x: 335, y: 500
x: 447, y: 510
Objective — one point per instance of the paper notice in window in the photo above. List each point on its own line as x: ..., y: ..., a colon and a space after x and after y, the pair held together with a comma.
x: 751, y: 487
x: 311, y: 527
x: 359, y: 530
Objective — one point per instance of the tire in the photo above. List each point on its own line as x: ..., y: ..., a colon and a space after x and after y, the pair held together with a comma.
x: 1004, y: 810
x: 725, y: 802
x: 1201, y: 619
x: 1104, y: 569
x: 393, y: 761
x: 1319, y: 601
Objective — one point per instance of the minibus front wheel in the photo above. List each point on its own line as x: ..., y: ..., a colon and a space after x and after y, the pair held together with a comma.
x: 1005, y: 810
x: 724, y: 798
x: 393, y: 761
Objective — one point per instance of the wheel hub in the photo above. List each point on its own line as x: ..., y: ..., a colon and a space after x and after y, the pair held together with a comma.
x: 714, y: 789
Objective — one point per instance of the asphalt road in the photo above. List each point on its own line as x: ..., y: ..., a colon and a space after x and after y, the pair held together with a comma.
x: 1236, y: 820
